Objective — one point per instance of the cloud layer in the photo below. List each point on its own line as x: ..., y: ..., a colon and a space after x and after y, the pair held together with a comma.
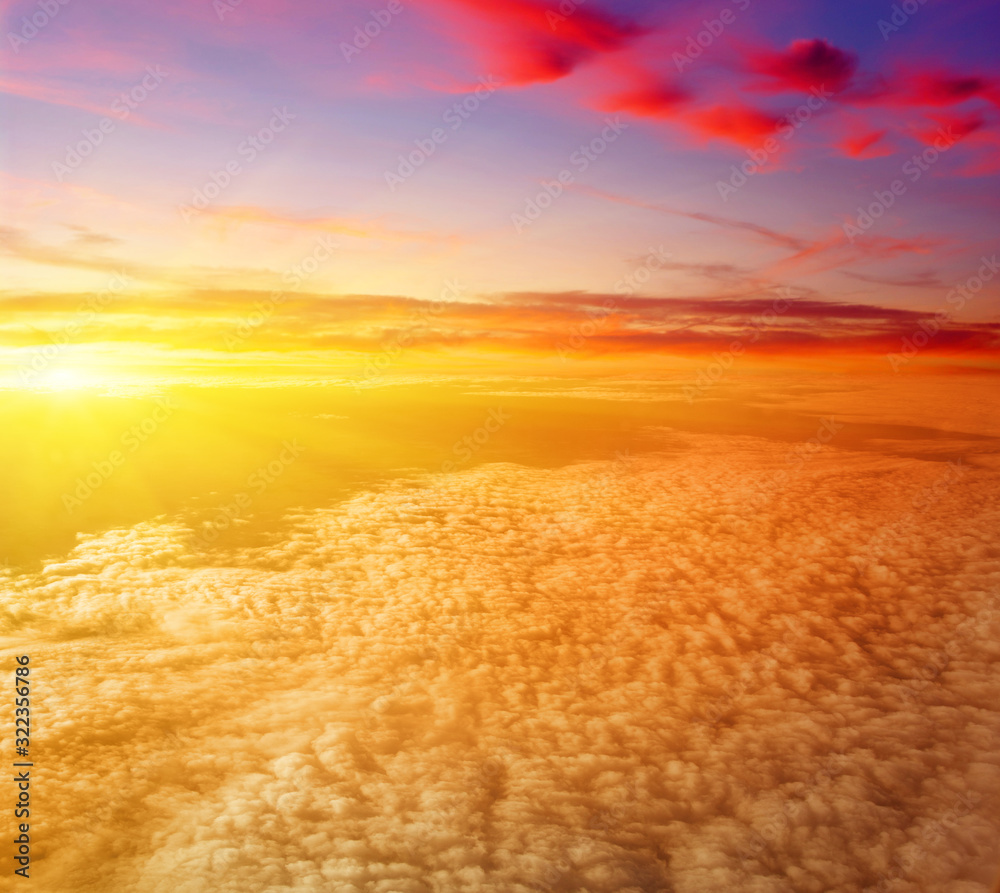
x: 730, y: 664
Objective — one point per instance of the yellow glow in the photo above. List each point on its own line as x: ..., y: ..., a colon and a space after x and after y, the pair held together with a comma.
x: 67, y: 378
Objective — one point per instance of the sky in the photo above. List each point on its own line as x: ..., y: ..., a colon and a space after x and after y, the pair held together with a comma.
x: 487, y: 182
x: 518, y: 446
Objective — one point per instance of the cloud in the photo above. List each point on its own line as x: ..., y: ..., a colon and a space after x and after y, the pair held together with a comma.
x: 85, y: 237
x: 924, y: 279
x: 19, y: 243
x: 941, y: 89
x: 786, y: 240
x: 668, y: 672
x: 707, y: 104
x: 344, y: 226
x: 741, y: 124
x: 53, y: 94
x: 867, y: 144
x: 957, y: 127
x: 656, y: 99
x: 528, y: 324
x: 816, y: 254
x: 804, y: 65
x: 81, y: 254
x: 535, y: 43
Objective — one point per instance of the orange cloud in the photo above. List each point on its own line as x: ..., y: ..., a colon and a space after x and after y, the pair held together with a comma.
x: 344, y: 226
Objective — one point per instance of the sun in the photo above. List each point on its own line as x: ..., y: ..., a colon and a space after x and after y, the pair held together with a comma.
x: 67, y: 378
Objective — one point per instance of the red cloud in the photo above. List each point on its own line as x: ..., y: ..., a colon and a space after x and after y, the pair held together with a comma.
x: 806, y: 64
x: 538, y: 44
x: 956, y: 127
x: 539, y: 63
x: 656, y: 100
x: 866, y: 145
x: 935, y: 89
x: 741, y: 124
x: 944, y: 89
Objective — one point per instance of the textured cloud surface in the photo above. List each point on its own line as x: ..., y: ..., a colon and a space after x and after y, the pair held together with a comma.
x: 727, y: 665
